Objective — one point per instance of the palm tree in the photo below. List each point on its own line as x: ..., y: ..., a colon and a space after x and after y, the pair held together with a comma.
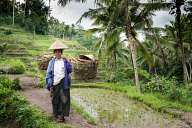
x: 177, y: 5
x: 6, y: 7
x: 49, y: 11
x: 129, y: 16
x: 155, y: 35
x: 110, y: 48
x: 65, y: 2
x: 73, y: 31
x: 172, y: 34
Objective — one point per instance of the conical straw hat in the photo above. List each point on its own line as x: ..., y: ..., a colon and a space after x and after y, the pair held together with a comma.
x: 57, y: 45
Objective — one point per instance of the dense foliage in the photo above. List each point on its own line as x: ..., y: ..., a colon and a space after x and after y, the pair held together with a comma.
x: 70, y: 32
x: 32, y: 15
x: 165, y: 51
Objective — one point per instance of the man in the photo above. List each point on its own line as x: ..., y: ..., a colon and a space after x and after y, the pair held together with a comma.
x: 58, y: 82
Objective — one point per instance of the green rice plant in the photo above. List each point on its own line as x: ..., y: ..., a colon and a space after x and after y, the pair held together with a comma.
x: 155, y: 101
x: 82, y: 112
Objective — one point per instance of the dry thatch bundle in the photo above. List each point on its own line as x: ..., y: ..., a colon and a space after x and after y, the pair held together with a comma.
x: 43, y: 61
x: 84, y: 67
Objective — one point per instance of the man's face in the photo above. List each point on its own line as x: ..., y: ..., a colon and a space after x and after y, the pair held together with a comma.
x: 58, y: 53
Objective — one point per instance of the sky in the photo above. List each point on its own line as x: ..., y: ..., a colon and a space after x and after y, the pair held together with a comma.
x: 73, y: 11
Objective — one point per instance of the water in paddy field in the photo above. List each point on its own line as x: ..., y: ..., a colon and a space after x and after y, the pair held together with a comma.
x: 114, y: 110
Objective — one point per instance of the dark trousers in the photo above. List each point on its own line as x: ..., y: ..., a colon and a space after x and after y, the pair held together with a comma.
x: 60, y: 100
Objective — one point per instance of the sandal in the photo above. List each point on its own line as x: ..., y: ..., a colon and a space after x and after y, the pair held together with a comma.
x: 60, y: 119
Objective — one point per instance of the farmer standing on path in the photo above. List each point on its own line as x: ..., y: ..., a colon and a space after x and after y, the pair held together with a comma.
x: 58, y: 82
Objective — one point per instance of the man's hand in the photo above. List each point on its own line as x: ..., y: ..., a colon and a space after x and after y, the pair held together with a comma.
x: 51, y: 89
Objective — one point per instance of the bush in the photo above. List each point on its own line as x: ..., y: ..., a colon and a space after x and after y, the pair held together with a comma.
x: 6, y: 91
x: 126, y: 74
x: 6, y: 20
x: 160, y: 84
x: 144, y: 75
x: 5, y: 94
x: 175, y: 93
x: 169, y: 88
x: 12, y: 67
x: 8, y: 32
x: 16, y: 84
x: 182, y: 94
x: 187, y: 95
x: 11, y: 84
x: 17, y: 67
x: 3, y: 47
x: 5, y: 82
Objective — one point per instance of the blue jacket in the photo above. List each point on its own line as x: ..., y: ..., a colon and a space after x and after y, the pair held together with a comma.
x: 50, y: 74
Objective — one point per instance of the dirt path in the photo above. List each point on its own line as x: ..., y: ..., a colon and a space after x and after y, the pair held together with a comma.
x: 41, y: 99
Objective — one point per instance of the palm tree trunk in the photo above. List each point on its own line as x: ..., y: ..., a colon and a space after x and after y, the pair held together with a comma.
x: 115, y: 59
x: 13, y: 12
x: 49, y: 12
x: 179, y: 40
x: 185, y: 71
x: 162, y: 52
x: 190, y: 71
x: 161, y: 49
x: 49, y: 4
x: 25, y: 8
x: 152, y: 69
x: 133, y: 55
x: 34, y: 32
x: 131, y: 41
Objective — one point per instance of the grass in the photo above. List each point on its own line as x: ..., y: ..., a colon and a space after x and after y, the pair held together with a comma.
x: 22, y: 42
x: 154, y: 101
x: 12, y: 66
